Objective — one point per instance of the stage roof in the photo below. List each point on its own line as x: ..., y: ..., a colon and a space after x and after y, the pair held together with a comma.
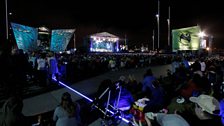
x: 105, y: 35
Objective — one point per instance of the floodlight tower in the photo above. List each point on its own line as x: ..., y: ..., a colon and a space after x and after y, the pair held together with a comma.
x: 157, y: 17
x: 6, y: 20
x: 168, y: 22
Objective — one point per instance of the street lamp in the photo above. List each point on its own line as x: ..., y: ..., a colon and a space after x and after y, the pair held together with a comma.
x: 201, y: 34
x: 157, y: 17
x: 168, y: 22
x: 153, y: 40
x: 6, y: 20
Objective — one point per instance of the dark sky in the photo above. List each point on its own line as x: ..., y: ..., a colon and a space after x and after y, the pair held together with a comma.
x: 135, y: 18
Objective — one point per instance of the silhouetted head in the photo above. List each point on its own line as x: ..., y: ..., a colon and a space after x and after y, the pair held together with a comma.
x: 66, y: 98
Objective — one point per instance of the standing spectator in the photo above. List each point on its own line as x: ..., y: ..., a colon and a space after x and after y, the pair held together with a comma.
x: 203, y: 65
x: 67, y: 113
x: 196, y: 68
x: 175, y: 64
x: 156, y: 95
x: 52, y: 66
x: 42, y: 70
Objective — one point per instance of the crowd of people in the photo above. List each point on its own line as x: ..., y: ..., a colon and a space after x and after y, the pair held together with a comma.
x: 191, y: 92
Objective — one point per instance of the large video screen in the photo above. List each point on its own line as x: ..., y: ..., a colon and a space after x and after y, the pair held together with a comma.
x: 102, y: 46
x: 25, y: 36
x: 186, y: 38
x: 60, y: 39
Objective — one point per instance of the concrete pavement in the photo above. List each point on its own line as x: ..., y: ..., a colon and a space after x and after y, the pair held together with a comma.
x: 48, y: 101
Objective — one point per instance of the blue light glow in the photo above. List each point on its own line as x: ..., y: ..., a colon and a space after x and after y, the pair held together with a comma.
x: 60, y: 39
x: 125, y: 120
x: 73, y: 90
x: 25, y: 36
x: 54, y: 78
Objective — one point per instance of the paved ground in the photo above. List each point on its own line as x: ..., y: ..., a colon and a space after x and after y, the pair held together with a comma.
x: 48, y: 101
x: 44, y: 104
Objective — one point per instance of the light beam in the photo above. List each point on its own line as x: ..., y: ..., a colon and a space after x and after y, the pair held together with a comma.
x: 61, y: 83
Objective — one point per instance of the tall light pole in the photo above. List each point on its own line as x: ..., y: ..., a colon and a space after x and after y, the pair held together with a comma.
x: 153, y: 40
x: 125, y: 42
x: 6, y: 19
x: 74, y: 39
x: 210, y: 44
x: 168, y: 21
x: 157, y: 16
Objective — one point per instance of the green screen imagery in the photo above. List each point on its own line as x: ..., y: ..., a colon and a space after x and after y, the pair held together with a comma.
x: 186, y: 38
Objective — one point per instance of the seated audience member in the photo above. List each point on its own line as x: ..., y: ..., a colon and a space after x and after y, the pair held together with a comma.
x: 163, y: 119
x: 102, y: 92
x: 67, y: 113
x: 191, y: 86
x: 207, y: 111
x: 156, y: 95
x: 148, y: 79
x: 11, y: 113
x: 117, y: 90
x: 124, y: 98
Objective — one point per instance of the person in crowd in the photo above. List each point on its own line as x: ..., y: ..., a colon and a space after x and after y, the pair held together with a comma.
x: 11, y: 113
x: 211, y: 74
x: 175, y: 64
x: 163, y: 119
x: 186, y: 63
x: 68, y: 112
x: 33, y: 59
x: 222, y: 110
x: 148, y: 79
x: 196, y: 68
x: 124, y: 98
x: 191, y: 86
x: 206, y: 110
x: 112, y: 64
x: 52, y: 66
x: 42, y: 70
x: 156, y: 96
x: 102, y: 92
x: 203, y: 65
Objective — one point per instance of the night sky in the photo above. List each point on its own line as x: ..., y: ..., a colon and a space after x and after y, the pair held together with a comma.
x: 134, y: 18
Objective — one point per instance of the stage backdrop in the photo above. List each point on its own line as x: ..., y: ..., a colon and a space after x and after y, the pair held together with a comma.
x: 25, y: 36
x: 60, y: 39
x: 104, y: 42
x: 186, y: 38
